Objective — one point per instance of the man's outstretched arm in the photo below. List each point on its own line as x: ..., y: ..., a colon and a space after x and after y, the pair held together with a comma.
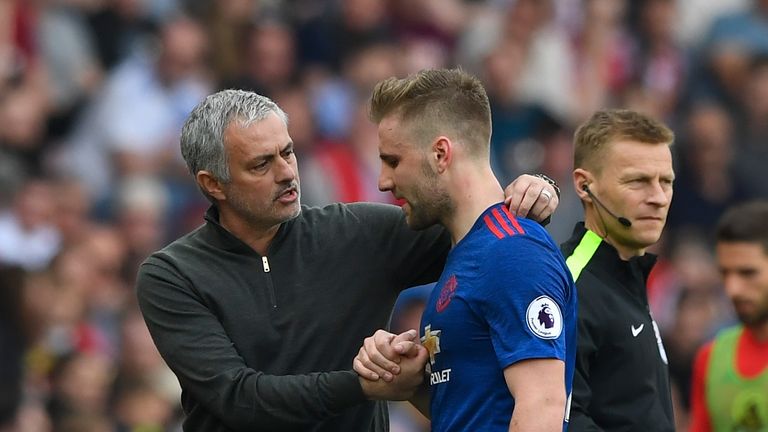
x: 197, y: 348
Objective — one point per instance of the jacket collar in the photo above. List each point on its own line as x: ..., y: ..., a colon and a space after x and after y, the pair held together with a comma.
x: 637, y: 267
x: 216, y: 235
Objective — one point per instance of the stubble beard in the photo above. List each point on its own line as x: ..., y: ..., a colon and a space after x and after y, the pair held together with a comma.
x: 435, y: 205
x: 265, y: 217
x: 757, y: 319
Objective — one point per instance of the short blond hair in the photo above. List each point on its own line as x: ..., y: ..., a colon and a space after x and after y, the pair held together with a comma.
x: 441, y: 101
x: 610, y: 126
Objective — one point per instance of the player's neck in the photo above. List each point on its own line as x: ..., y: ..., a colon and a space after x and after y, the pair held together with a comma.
x: 760, y: 332
x: 597, y: 223
x: 472, y: 193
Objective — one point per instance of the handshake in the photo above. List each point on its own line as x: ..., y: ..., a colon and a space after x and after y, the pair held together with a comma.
x: 390, y: 366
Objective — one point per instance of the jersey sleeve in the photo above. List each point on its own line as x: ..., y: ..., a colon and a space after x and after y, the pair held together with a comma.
x: 524, y: 294
x: 699, y: 414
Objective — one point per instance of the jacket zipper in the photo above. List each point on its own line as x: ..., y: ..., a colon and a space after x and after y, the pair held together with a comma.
x: 270, y: 286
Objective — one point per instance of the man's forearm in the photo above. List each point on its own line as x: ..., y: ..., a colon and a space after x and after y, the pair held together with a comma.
x: 194, y: 344
x: 404, y: 384
x: 420, y: 399
x: 280, y: 401
x: 538, y: 414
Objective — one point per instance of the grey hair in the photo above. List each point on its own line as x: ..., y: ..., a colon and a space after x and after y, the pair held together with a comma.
x: 202, y: 136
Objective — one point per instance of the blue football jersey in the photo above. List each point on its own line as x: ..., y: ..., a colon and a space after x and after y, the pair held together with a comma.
x: 505, y: 295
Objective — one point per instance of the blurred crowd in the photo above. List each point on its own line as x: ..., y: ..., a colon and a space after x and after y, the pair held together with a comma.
x: 93, y: 94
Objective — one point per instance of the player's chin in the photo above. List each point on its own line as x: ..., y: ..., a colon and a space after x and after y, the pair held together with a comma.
x: 648, y: 236
x: 747, y: 313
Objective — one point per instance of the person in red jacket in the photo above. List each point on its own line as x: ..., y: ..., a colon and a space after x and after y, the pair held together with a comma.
x: 730, y: 375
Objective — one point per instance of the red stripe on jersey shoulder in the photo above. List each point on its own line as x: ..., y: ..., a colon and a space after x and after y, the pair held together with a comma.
x: 491, y: 226
x: 513, y: 220
x: 502, y: 222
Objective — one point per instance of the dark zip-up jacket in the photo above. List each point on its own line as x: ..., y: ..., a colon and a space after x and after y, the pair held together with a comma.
x: 621, y: 382
x: 265, y: 343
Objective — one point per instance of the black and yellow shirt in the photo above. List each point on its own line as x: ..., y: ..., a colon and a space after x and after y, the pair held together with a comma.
x: 622, y: 380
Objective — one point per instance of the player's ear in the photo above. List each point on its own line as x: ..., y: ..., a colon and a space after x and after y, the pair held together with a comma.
x: 442, y: 153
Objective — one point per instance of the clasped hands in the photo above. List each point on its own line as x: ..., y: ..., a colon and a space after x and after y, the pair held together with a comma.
x: 390, y: 366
